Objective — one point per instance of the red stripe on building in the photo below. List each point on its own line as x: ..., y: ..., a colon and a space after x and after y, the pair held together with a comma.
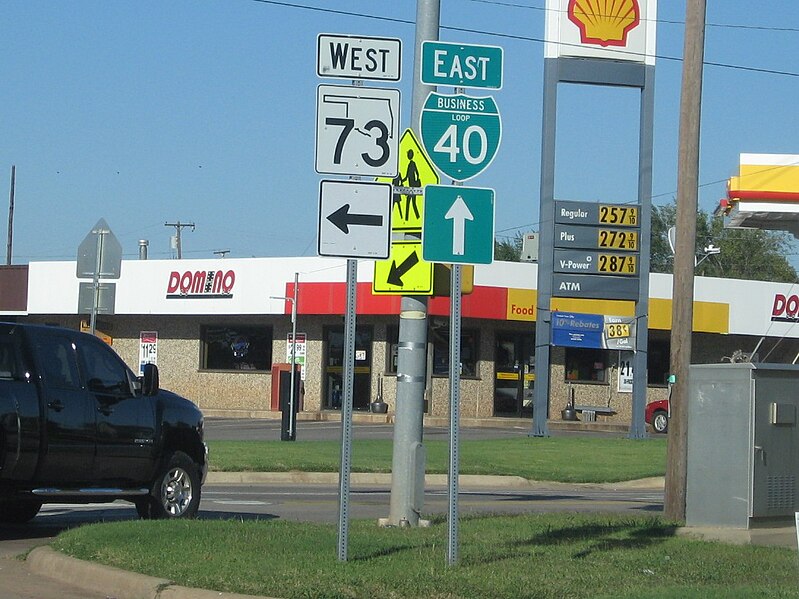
x: 741, y: 194
x: 331, y: 298
x: 482, y: 302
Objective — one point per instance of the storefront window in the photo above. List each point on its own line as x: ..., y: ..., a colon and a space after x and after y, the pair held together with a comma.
x: 334, y: 369
x: 439, y: 337
x: 392, y: 337
x: 586, y: 365
x: 236, y: 347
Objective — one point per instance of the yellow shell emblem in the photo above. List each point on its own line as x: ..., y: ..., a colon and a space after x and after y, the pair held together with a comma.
x: 605, y: 22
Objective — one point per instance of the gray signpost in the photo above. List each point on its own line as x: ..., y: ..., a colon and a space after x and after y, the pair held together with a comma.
x: 462, y: 134
x: 354, y: 215
x: 99, y: 257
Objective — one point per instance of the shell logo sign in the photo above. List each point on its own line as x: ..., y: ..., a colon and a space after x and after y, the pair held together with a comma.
x: 604, y: 23
x: 619, y: 30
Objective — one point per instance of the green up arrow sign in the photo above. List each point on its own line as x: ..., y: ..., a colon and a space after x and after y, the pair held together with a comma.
x: 460, y: 133
x: 458, y: 224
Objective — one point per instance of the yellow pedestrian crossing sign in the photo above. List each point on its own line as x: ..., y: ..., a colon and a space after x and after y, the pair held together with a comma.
x: 415, y: 171
x: 404, y: 273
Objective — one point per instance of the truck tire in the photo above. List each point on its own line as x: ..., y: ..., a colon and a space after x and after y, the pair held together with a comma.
x: 175, y: 492
x: 19, y: 511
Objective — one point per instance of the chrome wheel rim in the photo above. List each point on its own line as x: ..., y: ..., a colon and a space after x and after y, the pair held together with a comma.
x: 176, y: 492
x: 660, y: 422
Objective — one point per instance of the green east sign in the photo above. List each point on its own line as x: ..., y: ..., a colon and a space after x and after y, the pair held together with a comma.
x: 460, y: 133
x: 461, y: 65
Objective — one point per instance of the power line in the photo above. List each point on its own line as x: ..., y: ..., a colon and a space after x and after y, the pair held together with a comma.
x: 665, y: 21
x: 535, y: 39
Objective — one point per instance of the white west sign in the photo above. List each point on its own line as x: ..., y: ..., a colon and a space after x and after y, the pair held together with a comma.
x: 358, y: 57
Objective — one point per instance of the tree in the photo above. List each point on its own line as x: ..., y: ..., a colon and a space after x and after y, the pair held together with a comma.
x: 754, y: 254
x: 509, y: 250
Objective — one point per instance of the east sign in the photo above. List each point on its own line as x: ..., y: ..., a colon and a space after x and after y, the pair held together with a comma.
x: 461, y: 65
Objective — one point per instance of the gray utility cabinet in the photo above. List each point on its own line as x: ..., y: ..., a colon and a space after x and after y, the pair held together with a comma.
x: 743, y: 444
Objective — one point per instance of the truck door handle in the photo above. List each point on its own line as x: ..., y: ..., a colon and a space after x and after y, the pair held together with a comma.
x: 760, y: 451
x: 56, y: 405
x: 105, y: 410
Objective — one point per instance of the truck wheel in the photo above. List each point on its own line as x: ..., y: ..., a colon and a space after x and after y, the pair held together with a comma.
x: 660, y: 421
x: 19, y: 511
x: 175, y: 492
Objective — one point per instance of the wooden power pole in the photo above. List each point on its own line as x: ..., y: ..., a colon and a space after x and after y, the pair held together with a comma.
x: 684, y: 256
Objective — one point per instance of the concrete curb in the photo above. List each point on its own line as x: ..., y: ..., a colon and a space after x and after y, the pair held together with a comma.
x: 471, y: 480
x: 114, y: 582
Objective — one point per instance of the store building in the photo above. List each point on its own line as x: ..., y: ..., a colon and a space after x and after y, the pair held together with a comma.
x: 217, y: 327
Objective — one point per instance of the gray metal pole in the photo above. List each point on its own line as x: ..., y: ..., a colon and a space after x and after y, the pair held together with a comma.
x: 408, y: 460
x: 546, y: 257
x: 346, y: 411
x: 96, y: 280
x: 292, y: 399
x: 454, y: 410
x: 11, y: 215
x: 645, y: 145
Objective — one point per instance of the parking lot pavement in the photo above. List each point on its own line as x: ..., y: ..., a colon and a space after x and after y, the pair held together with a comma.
x: 252, y: 429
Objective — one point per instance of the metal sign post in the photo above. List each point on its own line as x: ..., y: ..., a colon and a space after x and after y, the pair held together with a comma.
x: 346, y: 412
x: 99, y: 257
x: 96, y: 279
x: 454, y: 410
x: 357, y: 134
x: 291, y: 433
x: 292, y: 393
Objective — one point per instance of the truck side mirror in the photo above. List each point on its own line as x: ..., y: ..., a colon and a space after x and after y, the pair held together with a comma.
x: 149, y: 379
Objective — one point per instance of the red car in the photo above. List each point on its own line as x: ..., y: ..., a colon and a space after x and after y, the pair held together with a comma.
x: 657, y: 414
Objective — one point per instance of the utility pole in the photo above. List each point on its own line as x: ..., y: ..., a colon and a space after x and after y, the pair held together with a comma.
x: 11, y: 215
x: 178, y: 226
x: 408, y: 459
x: 684, y: 257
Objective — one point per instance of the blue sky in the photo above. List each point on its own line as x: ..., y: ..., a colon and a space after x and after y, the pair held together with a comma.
x: 150, y: 112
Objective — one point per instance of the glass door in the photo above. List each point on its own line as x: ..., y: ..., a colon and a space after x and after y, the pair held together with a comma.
x: 334, y: 368
x: 514, y: 378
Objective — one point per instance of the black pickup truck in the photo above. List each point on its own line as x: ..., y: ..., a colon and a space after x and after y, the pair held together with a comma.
x: 77, y: 426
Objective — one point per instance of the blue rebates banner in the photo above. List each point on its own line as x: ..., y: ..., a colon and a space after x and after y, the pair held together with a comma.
x: 593, y: 330
x: 577, y: 330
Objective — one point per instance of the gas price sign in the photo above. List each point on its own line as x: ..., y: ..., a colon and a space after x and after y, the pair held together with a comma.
x: 617, y: 264
x: 617, y: 239
x: 617, y: 331
x: 621, y: 216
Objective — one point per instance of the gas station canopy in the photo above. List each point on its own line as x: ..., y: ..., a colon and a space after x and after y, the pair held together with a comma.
x: 765, y: 193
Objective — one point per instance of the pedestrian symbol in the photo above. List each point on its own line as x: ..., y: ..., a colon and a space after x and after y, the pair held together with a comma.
x: 415, y: 171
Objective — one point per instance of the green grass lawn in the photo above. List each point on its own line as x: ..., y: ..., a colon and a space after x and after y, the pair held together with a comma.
x: 547, y: 556
x: 564, y: 459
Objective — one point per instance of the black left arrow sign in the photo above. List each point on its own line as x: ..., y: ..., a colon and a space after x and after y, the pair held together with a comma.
x: 343, y: 219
